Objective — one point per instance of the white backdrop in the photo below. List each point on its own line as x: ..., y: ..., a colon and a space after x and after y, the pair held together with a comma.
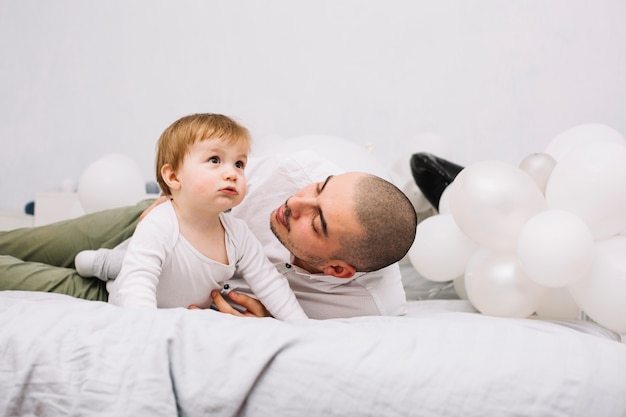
x: 493, y: 78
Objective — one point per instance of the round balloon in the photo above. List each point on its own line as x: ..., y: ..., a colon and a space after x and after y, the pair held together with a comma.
x: 114, y: 180
x: 492, y: 200
x: 587, y: 133
x: 68, y: 185
x: 539, y: 166
x: 591, y: 183
x: 555, y: 248
x: 497, y: 286
x: 459, y: 287
x: 444, y: 200
x: 414, y: 194
x: 557, y: 304
x: 440, y: 251
x: 602, y: 293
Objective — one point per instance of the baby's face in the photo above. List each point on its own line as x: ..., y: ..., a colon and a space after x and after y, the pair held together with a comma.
x: 213, y: 173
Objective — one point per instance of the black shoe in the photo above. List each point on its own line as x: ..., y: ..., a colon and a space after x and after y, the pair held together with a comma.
x: 432, y: 175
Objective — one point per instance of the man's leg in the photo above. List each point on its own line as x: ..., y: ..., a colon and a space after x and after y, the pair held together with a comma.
x: 16, y: 274
x: 39, y: 258
x: 432, y: 175
x: 58, y: 243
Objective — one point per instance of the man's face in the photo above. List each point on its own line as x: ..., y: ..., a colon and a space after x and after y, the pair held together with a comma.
x: 310, y: 223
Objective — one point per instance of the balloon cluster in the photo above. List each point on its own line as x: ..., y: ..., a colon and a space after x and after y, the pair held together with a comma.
x: 545, y: 237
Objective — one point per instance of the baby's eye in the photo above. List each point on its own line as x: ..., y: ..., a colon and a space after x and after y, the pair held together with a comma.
x: 240, y: 164
x: 214, y: 160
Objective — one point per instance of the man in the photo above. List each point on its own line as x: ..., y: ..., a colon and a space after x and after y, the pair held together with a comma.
x: 335, y: 237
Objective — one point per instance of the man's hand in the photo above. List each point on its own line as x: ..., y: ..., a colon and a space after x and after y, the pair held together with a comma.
x: 253, y: 307
x: 158, y: 201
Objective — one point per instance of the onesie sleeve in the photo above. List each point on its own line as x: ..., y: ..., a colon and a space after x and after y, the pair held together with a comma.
x: 152, y: 242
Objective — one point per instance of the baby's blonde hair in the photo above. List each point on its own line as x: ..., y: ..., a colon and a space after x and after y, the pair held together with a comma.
x: 175, y: 141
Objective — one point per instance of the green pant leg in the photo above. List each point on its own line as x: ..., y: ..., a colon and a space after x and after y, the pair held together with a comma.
x: 41, y: 258
x: 58, y: 243
x: 16, y: 274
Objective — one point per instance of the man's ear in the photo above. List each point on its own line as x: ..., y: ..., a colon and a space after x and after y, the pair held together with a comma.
x: 169, y: 176
x: 339, y: 269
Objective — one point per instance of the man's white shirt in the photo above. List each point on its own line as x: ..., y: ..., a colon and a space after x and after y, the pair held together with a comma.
x: 271, y: 181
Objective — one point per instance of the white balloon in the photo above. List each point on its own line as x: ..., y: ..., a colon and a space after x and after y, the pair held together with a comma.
x: 497, y: 286
x: 602, y: 293
x: 492, y: 200
x: 570, y: 138
x: 459, y: 287
x: 68, y: 185
x: 557, y: 304
x: 539, y: 166
x: 114, y: 180
x: 591, y: 183
x: 555, y: 248
x: 440, y: 251
x: 444, y: 200
x: 412, y: 191
x: 346, y: 155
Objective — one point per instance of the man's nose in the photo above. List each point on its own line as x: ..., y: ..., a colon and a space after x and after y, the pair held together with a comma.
x: 300, y: 205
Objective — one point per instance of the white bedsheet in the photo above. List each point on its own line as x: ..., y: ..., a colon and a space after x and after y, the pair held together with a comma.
x: 62, y: 356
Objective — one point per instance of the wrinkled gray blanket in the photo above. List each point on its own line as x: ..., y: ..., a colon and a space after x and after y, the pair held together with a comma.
x: 62, y: 356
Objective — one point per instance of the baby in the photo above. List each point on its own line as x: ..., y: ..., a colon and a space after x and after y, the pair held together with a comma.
x: 189, y: 245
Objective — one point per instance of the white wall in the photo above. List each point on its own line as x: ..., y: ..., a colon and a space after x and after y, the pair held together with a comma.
x: 497, y: 78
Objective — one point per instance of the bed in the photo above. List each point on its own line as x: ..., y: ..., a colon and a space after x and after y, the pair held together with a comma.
x: 64, y: 356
